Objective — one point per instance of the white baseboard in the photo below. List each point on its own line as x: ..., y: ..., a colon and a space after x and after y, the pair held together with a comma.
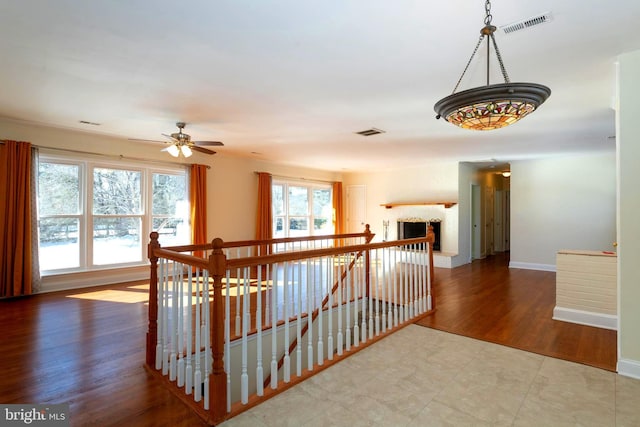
x: 531, y: 266
x: 61, y: 282
x: 589, y: 318
x: 629, y: 368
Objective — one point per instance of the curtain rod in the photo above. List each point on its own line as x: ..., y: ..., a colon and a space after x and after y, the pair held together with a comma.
x: 298, y: 178
x: 112, y: 156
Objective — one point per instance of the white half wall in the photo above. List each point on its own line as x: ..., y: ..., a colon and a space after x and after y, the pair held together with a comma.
x: 562, y: 203
x: 628, y: 136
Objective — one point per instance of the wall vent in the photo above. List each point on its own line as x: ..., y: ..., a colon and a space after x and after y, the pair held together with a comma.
x: 369, y: 132
x: 527, y: 23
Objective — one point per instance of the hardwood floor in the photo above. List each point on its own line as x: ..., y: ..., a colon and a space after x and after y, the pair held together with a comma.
x: 488, y: 301
x: 86, y: 347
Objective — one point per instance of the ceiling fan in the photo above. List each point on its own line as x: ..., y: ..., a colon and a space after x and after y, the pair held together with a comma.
x: 182, y: 143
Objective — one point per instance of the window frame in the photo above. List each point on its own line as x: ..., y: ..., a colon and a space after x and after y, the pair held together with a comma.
x: 310, y: 217
x: 86, y: 216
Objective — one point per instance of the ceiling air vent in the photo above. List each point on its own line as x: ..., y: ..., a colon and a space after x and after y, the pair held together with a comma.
x: 527, y: 23
x: 369, y: 132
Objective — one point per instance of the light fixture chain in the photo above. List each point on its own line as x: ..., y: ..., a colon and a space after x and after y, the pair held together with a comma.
x: 487, y: 9
x: 468, y: 63
x: 502, y: 68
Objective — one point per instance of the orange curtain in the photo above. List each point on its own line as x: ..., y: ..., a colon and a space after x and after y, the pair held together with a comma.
x: 16, y: 274
x: 338, y: 210
x: 198, y: 203
x: 264, y: 217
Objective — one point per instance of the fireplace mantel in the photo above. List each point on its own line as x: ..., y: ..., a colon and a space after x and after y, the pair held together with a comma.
x: 392, y: 205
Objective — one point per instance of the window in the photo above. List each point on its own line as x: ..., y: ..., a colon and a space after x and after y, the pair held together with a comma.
x: 301, y: 209
x: 94, y: 215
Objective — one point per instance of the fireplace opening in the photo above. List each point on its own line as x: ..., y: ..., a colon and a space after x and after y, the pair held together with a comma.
x: 412, y: 229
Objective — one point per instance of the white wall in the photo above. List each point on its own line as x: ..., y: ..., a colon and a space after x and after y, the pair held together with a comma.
x: 561, y: 203
x: 437, y: 182
x: 232, y: 188
x: 628, y: 144
x: 466, y: 176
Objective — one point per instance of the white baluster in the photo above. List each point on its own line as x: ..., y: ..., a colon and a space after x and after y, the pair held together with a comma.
x: 330, y: 282
x: 339, y: 296
x: 174, y: 321
x: 396, y: 277
x: 416, y: 305
x: 423, y: 279
x: 180, y: 381
x: 227, y: 336
x: 429, y: 278
x: 244, y: 377
x: 348, y: 303
x: 356, y: 285
x: 391, y: 285
x: 310, y: 276
x: 267, y: 316
x: 285, y: 300
x: 406, y: 290
x: 238, y: 309
x: 208, y: 359
x: 298, y: 286
x: 383, y: 289
x: 259, y: 369
x: 274, y: 330
x: 197, y: 377
x: 188, y: 386
x: 366, y: 296
x: 370, y: 293
x: 411, y: 282
x: 376, y: 285
x: 402, y: 291
x: 321, y: 285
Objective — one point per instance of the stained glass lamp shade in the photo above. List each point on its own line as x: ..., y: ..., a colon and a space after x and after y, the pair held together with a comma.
x: 493, y: 106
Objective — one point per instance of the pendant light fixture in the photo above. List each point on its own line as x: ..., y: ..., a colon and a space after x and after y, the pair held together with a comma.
x: 495, y: 105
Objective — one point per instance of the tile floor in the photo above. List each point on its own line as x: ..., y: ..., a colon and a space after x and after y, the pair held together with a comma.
x: 424, y: 377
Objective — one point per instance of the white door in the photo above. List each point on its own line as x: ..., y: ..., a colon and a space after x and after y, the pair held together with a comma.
x: 356, y: 208
x: 488, y: 221
x: 476, y: 225
x: 498, y: 229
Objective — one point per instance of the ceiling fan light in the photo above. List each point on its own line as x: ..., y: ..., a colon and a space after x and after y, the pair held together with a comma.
x: 506, y: 174
x: 173, y: 150
x: 186, y: 151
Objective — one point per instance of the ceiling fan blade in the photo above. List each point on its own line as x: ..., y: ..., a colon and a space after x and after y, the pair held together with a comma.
x: 202, y: 150
x: 144, y: 140
x: 169, y: 136
x: 208, y: 143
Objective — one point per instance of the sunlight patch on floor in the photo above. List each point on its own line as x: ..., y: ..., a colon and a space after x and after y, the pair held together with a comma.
x: 110, y: 295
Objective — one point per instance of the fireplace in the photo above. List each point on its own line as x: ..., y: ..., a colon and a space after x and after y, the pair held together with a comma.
x: 412, y: 228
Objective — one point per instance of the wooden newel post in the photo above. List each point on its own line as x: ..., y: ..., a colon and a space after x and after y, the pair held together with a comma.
x: 218, y: 381
x: 431, y: 238
x: 152, y: 331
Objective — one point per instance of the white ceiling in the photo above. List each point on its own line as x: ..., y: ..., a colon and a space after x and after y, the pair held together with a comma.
x: 294, y: 80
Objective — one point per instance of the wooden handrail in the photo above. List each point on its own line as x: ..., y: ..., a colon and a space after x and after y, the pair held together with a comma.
x: 244, y: 243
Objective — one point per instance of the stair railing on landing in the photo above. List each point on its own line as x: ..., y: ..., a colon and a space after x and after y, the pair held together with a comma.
x: 343, y: 300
